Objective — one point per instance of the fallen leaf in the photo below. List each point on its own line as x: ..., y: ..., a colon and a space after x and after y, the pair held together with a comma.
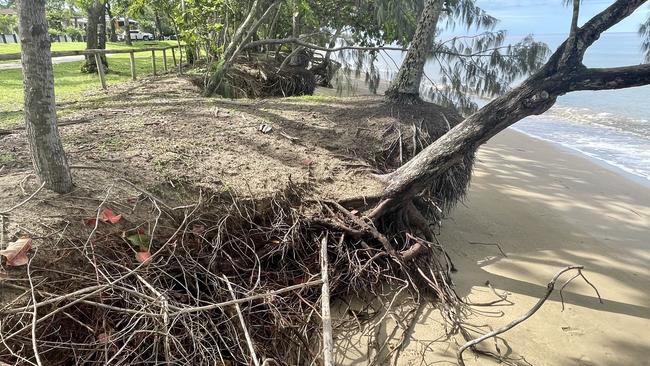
x: 140, y: 241
x: 16, y: 252
x: 143, y: 257
x: 198, y: 230
x: 108, y: 216
x: 90, y: 221
x: 103, y: 338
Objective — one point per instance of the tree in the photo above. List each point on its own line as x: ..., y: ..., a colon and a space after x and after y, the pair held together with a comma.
x: 48, y: 157
x: 479, y: 65
x: 564, y: 72
x: 94, y: 10
x: 406, y: 84
x: 112, y: 31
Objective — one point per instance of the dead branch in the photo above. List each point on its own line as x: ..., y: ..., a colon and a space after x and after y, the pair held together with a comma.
x: 549, y: 289
x: 249, y: 341
x: 328, y: 341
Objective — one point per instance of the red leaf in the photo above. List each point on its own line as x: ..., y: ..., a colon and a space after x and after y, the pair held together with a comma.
x: 90, y: 221
x: 108, y: 216
x: 16, y: 252
x: 143, y: 257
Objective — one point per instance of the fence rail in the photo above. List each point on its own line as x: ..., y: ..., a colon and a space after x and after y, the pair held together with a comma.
x: 97, y: 53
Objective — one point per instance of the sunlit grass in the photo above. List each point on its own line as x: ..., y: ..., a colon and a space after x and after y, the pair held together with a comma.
x: 70, y: 84
x: 78, y: 46
x: 311, y: 98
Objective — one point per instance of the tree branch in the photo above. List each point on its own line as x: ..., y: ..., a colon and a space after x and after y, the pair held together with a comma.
x: 591, y: 31
x: 571, y: 41
x: 611, y: 78
x: 312, y: 46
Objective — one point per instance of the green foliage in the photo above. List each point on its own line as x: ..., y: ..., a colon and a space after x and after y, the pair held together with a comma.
x: 8, y: 24
x: 644, y: 32
x: 481, y: 66
x: 58, y: 13
x: 73, y: 32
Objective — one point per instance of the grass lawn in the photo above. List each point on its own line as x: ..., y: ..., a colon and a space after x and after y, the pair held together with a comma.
x: 78, y: 46
x: 70, y: 83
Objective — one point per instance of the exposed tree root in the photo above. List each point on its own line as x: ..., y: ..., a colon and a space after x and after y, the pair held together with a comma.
x: 94, y: 303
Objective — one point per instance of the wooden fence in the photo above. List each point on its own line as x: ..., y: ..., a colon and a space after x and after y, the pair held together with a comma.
x: 97, y: 54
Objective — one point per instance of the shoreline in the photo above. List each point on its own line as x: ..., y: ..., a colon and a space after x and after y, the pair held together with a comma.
x: 616, y: 168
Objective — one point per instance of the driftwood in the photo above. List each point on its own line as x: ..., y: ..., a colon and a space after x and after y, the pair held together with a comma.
x: 549, y: 289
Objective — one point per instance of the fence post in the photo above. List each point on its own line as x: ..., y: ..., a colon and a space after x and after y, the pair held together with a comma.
x: 132, y: 59
x: 153, y: 61
x: 100, y: 70
x: 164, y: 59
x: 174, y: 55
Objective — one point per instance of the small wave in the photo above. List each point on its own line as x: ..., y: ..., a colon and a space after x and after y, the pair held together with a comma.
x: 626, y: 151
x: 637, y: 126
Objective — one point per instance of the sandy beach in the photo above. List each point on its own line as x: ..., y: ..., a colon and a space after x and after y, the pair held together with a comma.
x: 547, y: 208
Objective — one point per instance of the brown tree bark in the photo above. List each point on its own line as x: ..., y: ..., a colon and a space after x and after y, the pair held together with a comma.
x: 92, y: 39
x: 127, y: 30
x: 112, y: 31
x: 159, y: 36
x: 48, y: 157
x: 563, y: 73
x: 239, y: 34
x: 406, y: 85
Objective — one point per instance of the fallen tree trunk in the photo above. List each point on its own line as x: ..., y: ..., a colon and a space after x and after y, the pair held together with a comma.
x: 563, y: 73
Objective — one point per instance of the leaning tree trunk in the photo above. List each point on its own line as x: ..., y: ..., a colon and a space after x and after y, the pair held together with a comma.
x: 91, y: 37
x: 127, y: 30
x: 234, y: 41
x: 48, y: 157
x: 563, y: 73
x: 406, y: 85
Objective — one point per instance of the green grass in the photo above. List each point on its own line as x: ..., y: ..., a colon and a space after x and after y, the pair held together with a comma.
x: 70, y: 83
x: 78, y: 46
x: 311, y: 98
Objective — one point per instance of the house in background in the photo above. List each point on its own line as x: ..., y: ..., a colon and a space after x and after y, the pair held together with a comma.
x: 120, y: 23
x: 79, y: 22
x: 8, y: 12
x: 7, y: 34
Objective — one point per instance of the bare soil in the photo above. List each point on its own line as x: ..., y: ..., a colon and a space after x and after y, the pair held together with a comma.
x: 160, y: 133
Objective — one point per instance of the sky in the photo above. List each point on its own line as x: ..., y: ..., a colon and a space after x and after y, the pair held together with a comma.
x: 520, y: 17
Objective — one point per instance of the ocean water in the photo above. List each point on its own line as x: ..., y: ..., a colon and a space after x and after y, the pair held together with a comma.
x: 612, y: 126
